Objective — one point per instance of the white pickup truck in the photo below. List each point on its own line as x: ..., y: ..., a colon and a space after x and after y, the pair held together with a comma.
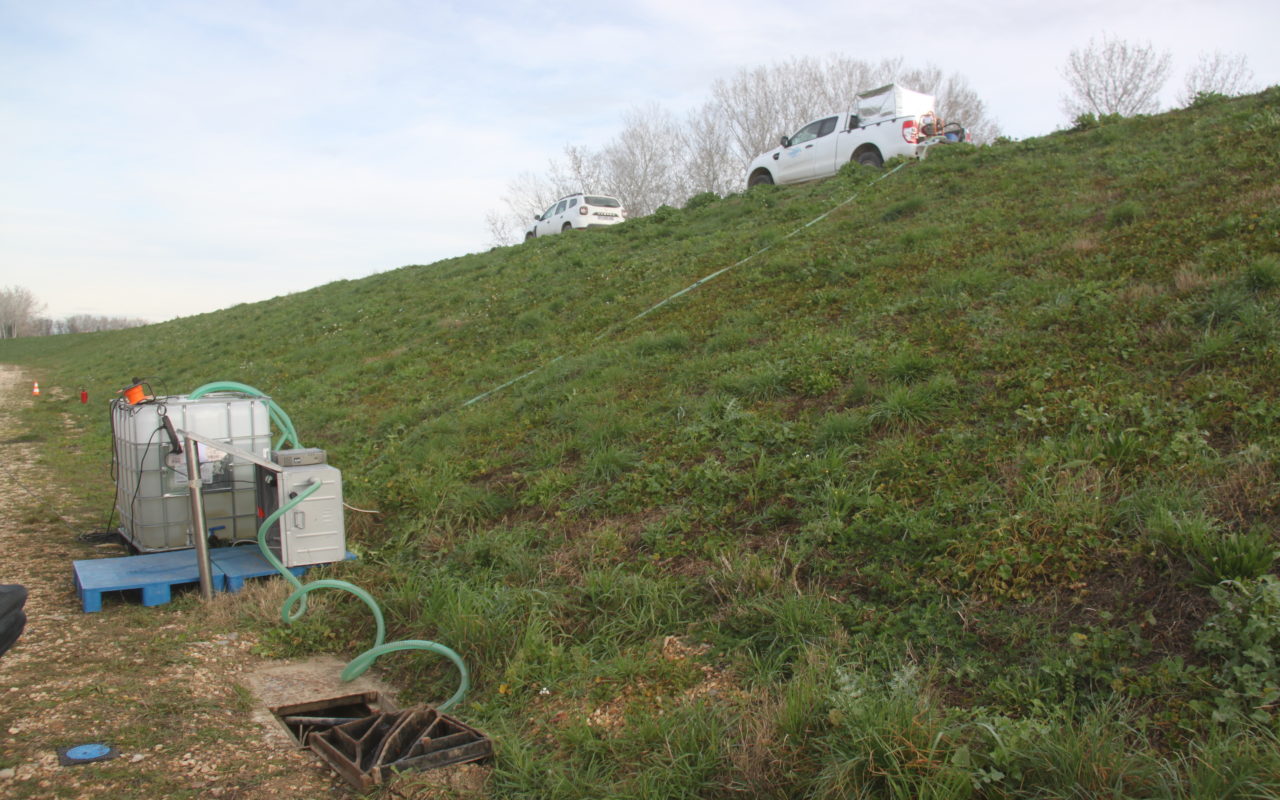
x: 886, y: 122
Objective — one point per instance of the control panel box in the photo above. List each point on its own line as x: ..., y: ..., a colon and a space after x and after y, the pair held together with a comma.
x: 313, y: 531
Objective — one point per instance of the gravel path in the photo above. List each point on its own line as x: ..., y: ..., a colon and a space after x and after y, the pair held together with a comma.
x: 171, y: 687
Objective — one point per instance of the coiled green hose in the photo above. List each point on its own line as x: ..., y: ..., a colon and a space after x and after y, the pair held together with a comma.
x: 357, y: 666
x: 362, y: 662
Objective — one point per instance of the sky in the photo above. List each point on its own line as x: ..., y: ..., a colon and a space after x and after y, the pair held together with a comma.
x: 163, y: 158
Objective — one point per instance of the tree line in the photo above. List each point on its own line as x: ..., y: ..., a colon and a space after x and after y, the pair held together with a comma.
x: 21, y: 314
x: 661, y: 158
x: 1115, y: 76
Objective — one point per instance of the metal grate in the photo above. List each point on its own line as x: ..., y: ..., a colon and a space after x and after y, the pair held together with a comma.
x: 367, y: 739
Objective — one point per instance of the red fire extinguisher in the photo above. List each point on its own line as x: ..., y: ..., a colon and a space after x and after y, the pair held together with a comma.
x: 84, y: 396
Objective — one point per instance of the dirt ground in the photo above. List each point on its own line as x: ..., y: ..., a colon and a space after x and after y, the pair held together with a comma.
x: 176, y: 689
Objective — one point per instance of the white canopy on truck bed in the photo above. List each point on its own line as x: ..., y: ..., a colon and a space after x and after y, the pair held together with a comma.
x: 893, y: 101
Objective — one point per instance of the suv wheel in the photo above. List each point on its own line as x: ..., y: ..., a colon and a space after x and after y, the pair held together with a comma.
x: 568, y: 226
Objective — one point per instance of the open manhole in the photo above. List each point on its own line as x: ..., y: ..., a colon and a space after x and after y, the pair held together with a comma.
x: 303, y: 719
x: 367, y: 739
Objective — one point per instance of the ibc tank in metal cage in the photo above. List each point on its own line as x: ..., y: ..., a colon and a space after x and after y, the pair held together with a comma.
x: 152, y: 497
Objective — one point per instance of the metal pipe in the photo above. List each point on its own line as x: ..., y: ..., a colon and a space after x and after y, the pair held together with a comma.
x: 197, y: 520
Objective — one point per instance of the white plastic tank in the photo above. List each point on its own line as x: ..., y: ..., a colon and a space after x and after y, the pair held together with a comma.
x: 151, y: 482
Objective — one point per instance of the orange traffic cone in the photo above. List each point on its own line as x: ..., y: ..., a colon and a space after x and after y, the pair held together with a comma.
x: 35, y: 388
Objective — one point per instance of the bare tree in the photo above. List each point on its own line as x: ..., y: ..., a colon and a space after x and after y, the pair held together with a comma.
x: 92, y: 323
x: 1114, y: 76
x: 763, y: 103
x: 20, y: 316
x: 503, y: 228
x: 760, y: 104
x: 1217, y: 73
x: 19, y: 310
x: 643, y: 164
x: 527, y: 195
x: 580, y: 170
x: 709, y: 165
x: 656, y: 159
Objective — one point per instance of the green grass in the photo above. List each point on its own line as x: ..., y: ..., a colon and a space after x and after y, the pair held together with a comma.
x: 935, y: 488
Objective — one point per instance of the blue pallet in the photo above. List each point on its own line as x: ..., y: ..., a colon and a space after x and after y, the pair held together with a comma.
x: 157, y: 573
x: 240, y: 563
x: 154, y: 573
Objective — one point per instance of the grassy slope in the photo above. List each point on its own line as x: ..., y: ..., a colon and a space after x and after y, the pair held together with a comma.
x: 926, y: 477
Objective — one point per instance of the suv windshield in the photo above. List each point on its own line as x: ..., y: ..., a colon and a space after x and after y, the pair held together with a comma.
x: 607, y: 202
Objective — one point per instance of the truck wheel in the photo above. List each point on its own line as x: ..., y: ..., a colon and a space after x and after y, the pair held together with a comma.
x: 760, y: 179
x: 870, y: 158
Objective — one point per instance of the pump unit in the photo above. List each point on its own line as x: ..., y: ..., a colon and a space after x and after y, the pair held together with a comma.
x: 311, y: 532
x: 152, y: 497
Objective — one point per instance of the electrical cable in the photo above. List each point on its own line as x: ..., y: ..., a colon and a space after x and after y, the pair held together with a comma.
x: 705, y: 279
x: 137, y: 488
x: 100, y: 537
x: 362, y: 662
x: 91, y: 537
x: 106, y: 534
x: 40, y: 500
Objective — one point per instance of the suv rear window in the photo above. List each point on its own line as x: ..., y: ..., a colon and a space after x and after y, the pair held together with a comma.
x: 607, y: 202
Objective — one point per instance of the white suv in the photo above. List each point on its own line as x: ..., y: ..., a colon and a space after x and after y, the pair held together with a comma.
x: 577, y: 211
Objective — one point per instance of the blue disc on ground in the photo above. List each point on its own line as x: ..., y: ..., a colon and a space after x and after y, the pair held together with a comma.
x: 85, y: 753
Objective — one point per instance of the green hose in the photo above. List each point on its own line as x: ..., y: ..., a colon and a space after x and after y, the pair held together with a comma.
x: 288, y: 433
x: 362, y: 662
x: 357, y: 666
